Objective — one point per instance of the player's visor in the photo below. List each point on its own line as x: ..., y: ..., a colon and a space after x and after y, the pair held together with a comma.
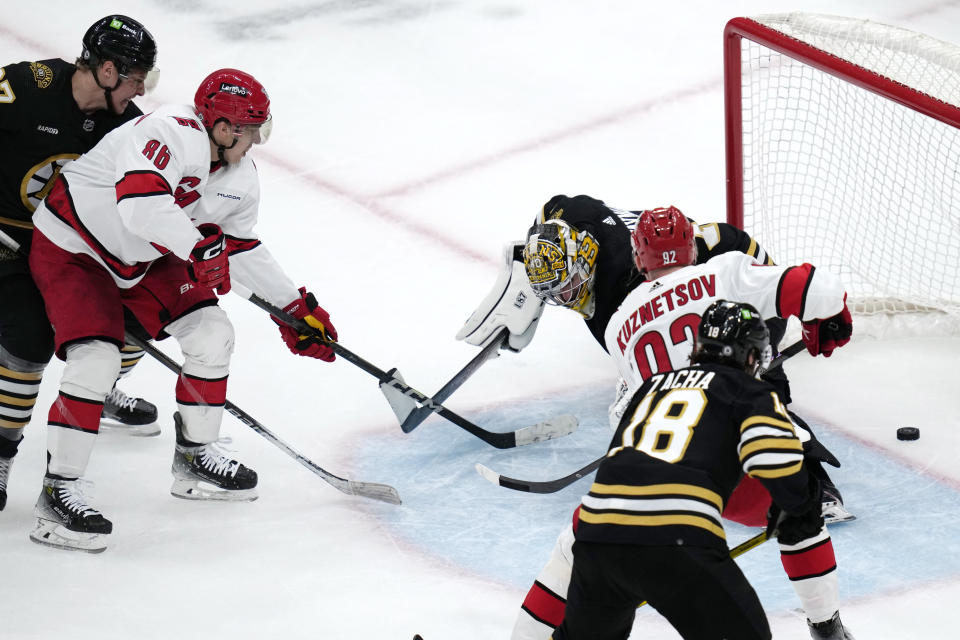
x: 260, y: 131
x: 147, y: 80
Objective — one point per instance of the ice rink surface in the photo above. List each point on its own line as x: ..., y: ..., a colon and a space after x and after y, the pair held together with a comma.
x: 411, y: 141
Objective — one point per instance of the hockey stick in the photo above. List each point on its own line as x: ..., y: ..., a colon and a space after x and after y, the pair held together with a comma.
x: 552, y: 486
x: 546, y: 430
x: 372, y: 490
x: 419, y: 414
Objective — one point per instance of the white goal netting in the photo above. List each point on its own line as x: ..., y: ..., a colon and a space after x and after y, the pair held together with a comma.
x: 850, y: 180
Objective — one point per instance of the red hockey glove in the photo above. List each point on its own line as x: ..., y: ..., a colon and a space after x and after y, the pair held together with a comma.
x: 823, y: 336
x: 305, y: 308
x: 209, y: 265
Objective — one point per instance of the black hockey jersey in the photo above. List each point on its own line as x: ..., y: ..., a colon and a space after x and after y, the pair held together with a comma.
x: 616, y: 275
x: 684, y: 441
x: 41, y: 129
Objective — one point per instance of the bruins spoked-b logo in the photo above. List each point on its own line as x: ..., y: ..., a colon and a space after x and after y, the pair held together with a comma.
x: 42, y: 74
x: 39, y: 179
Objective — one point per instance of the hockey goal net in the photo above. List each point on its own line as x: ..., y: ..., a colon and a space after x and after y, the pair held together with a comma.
x: 843, y: 150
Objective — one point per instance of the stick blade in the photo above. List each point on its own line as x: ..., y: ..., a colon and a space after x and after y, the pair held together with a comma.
x: 488, y: 474
x: 538, y: 486
x: 374, y: 491
x: 403, y: 405
x: 556, y: 427
x: 508, y: 483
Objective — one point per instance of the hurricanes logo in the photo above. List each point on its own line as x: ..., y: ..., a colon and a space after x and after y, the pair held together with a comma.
x: 39, y: 179
x: 42, y: 74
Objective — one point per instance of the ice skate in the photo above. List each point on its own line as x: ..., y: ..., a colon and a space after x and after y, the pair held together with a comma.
x: 831, y: 629
x: 832, y: 505
x: 66, y: 521
x: 5, y: 464
x: 204, y: 472
x: 132, y: 416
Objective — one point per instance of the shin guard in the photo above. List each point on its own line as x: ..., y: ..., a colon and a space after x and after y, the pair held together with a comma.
x: 812, y: 568
x: 74, y: 418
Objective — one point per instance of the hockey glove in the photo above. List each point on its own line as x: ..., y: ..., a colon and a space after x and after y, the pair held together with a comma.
x: 209, y: 265
x: 311, y: 345
x: 823, y: 336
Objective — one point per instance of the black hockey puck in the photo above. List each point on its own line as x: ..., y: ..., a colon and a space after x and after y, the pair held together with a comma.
x: 908, y: 433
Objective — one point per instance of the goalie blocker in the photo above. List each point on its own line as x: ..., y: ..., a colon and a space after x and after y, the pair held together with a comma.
x: 511, y: 304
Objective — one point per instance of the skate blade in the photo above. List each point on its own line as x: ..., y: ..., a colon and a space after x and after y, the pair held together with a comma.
x: 835, y: 513
x: 54, y: 534
x: 109, y: 425
x: 199, y: 490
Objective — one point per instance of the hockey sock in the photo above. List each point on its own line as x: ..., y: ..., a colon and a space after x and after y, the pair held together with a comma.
x: 812, y: 568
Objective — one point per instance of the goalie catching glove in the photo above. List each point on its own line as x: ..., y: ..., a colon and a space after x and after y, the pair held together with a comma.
x: 311, y: 345
x: 511, y: 304
x: 823, y: 336
x: 209, y: 264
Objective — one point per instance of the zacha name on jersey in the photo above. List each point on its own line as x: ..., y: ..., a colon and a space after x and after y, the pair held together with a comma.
x: 691, y: 378
x: 673, y: 297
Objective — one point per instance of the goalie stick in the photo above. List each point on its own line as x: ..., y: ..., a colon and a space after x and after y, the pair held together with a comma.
x: 552, y: 486
x: 391, y: 382
x: 372, y: 490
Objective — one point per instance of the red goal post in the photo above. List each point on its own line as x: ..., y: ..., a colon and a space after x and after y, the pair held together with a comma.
x: 843, y: 150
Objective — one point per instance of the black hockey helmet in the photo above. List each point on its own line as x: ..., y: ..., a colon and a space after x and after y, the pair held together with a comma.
x: 729, y: 333
x: 123, y: 41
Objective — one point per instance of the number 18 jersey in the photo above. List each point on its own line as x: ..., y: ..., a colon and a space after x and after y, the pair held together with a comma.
x: 679, y: 451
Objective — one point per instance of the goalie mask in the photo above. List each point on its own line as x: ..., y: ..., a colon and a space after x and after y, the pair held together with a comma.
x: 729, y: 333
x: 560, y: 263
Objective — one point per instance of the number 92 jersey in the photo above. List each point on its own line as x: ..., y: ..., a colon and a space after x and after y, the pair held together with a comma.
x: 653, y: 329
x: 678, y: 453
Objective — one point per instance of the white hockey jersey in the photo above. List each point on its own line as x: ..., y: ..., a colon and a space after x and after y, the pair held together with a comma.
x: 232, y: 200
x: 126, y: 202
x: 653, y: 329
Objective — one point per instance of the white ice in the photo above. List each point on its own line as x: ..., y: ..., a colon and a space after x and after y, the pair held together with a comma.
x: 412, y: 140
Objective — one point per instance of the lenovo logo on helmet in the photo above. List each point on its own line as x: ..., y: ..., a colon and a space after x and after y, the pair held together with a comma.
x: 234, y: 89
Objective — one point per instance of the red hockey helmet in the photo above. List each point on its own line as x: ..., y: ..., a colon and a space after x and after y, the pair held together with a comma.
x: 663, y: 238
x: 234, y: 96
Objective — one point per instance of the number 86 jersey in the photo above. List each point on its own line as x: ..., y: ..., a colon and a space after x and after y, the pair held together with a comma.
x: 127, y: 202
x: 653, y: 329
